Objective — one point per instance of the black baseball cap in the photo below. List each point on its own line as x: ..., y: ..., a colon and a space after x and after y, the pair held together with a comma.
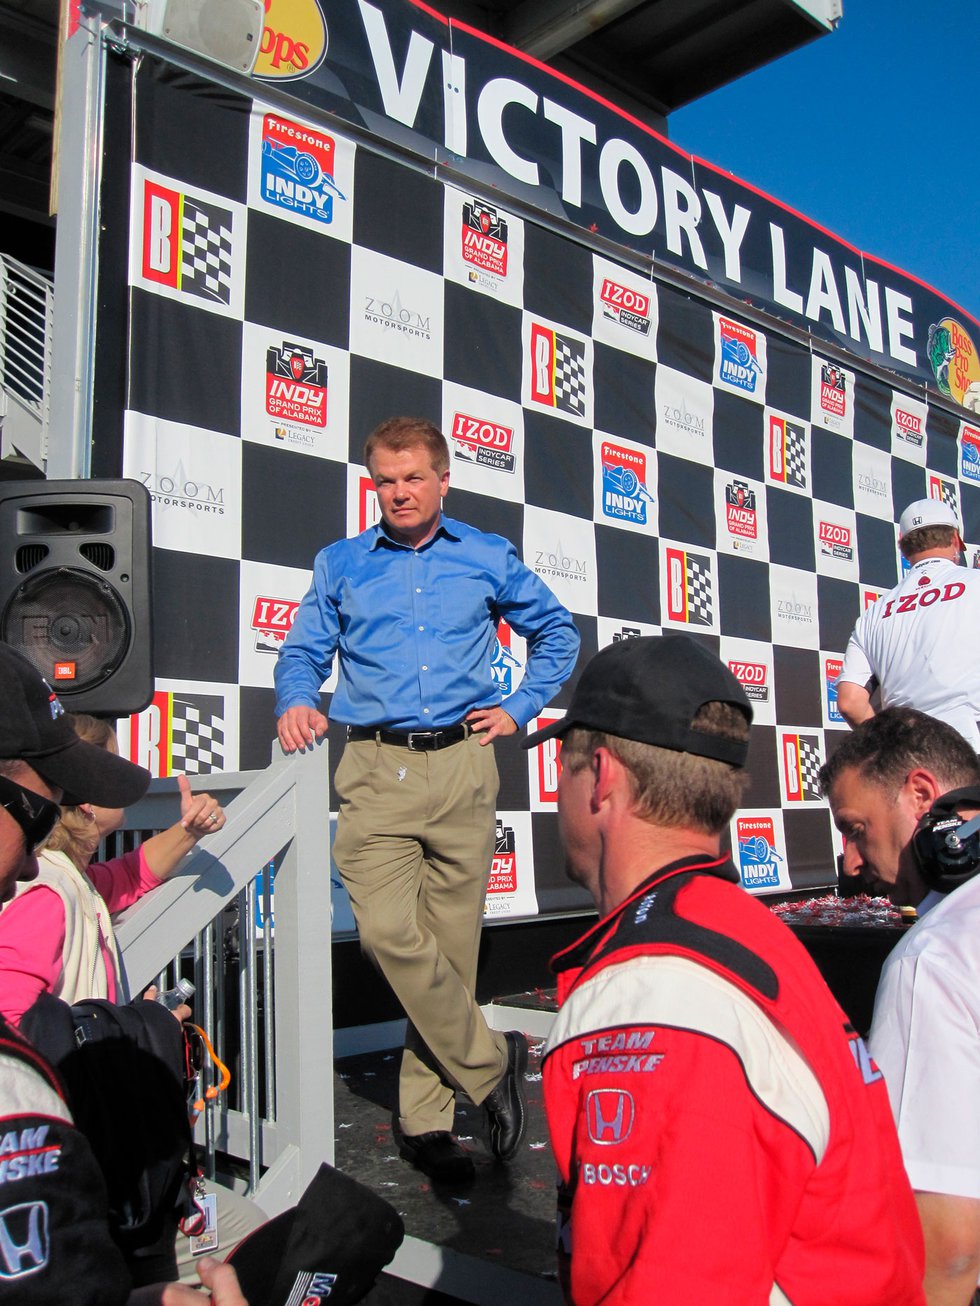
x: 650, y: 689
x: 33, y: 729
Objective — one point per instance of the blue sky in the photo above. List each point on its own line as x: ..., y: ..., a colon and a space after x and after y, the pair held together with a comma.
x: 872, y: 131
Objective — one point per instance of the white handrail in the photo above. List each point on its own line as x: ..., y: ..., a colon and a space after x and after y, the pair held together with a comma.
x: 281, y: 813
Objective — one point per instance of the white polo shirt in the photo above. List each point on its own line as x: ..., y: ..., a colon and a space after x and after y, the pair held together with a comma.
x: 925, y: 1037
x: 920, y: 641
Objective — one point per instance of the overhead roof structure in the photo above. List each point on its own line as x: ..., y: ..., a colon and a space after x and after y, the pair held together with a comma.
x: 649, y: 56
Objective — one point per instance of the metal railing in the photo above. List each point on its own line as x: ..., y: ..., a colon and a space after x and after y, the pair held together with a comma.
x: 26, y: 319
x: 263, y: 990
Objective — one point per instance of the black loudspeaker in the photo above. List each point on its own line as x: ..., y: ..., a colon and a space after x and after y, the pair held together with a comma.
x: 946, y: 845
x: 75, y: 589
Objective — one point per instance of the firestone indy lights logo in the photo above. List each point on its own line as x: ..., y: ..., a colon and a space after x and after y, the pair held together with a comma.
x: 740, y: 364
x: 295, y: 385
x: 484, y: 238
x: 955, y: 362
x: 298, y: 168
x: 624, y: 492
x: 485, y: 443
x: 187, y: 243
x: 505, y: 662
x: 832, y: 667
x: 757, y: 857
x: 630, y: 308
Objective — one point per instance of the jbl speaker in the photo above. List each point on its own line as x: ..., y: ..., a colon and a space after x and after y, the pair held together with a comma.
x: 75, y: 589
x: 227, y: 31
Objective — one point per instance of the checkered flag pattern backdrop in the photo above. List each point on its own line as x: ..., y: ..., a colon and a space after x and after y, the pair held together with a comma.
x: 206, y: 251
x: 198, y: 737
x: 700, y: 605
x: 252, y: 470
x: 570, y: 383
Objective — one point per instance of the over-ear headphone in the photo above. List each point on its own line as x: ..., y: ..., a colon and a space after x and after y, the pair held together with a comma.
x: 946, y: 846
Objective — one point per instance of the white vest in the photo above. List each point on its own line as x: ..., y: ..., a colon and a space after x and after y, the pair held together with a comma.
x: 83, y: 970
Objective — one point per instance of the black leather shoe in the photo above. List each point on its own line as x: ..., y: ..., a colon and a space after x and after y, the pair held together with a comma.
x: 506, y: 1104
x: 439, y: 1155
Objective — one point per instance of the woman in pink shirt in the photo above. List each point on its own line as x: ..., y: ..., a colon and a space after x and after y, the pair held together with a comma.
x: 56, y: 934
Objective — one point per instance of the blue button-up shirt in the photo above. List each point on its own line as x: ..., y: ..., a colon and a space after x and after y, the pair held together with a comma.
x: 415, y: 630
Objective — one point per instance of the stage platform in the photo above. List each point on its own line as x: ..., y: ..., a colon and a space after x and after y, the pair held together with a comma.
x: 489, y: 1242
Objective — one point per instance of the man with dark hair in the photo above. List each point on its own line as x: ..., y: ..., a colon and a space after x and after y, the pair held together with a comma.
x: 903, y: 789
x: 720, y: 1130
x: 915, y: 644
x: 410, y: 607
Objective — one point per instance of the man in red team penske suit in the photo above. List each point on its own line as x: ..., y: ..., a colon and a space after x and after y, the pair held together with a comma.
x: 916, y: 644
x: 721, y: 1132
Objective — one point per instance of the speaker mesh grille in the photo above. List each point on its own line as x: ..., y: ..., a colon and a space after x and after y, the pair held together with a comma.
x: 99, y: 555
x: 64, y: 616
x: 30, y: 555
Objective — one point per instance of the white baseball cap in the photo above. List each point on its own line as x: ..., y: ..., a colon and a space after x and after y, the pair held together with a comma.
x: 926, y: 512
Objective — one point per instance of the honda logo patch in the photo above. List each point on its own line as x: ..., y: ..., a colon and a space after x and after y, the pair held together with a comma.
x: 24, y: 1243
x: 609, y: 1115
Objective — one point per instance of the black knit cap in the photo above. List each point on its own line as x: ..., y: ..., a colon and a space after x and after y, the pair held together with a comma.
x: 33, y: 729
x: 650, y: 689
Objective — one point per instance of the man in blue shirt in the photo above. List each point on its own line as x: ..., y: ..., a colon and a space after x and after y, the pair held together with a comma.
x: 411, y: 607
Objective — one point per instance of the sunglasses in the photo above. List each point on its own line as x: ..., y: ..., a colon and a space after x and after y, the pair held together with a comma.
x: 35, y: 815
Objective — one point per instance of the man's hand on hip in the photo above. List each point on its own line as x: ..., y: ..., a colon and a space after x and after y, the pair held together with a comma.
x: 489, y: 722
x: 300, y: 727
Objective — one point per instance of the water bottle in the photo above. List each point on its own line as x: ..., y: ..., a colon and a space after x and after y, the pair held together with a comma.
x: 183, y: 991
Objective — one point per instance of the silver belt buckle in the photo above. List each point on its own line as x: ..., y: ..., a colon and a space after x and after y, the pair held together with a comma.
x: 410, y: 740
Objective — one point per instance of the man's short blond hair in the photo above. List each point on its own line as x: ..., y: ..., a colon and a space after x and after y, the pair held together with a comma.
x: 399, y: 433
x: 671, y: 788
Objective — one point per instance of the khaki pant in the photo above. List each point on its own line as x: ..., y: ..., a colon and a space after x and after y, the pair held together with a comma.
x: 414, y: 846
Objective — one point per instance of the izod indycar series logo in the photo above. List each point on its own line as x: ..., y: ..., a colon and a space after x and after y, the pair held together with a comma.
x: 272, y: 620
x: 740, y: 510
x: 503, y: 868
x: 754, y: 679
x: 908, y: 427
x: 295, y: 385
x: 485, y: 443
x: 484, y: 238
x: 298, y: 168
x: 630, y: 308
x: 294, y: 40
x: 954, y: 360
x: 758, y: 861
x: 835, y: 541
x: 624, y: 492
x: 740, y: 366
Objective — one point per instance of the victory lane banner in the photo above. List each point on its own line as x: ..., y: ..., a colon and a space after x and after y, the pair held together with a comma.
x: 516, y: 127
